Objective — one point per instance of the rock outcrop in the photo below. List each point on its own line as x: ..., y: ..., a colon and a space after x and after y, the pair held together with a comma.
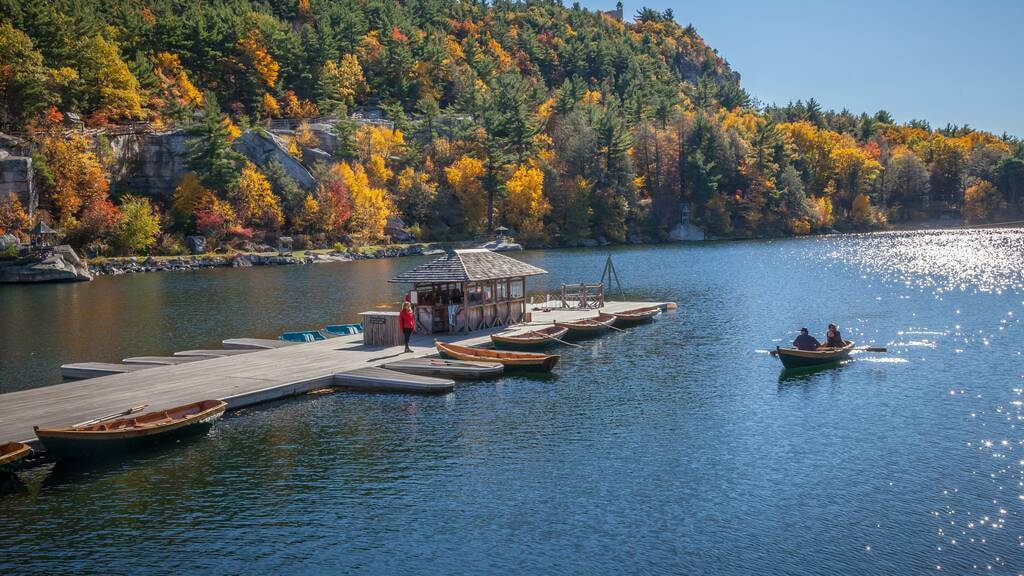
x: 60, y: 264
x: 16, y: 177
x: 150, y: 164
x: 261, y: 147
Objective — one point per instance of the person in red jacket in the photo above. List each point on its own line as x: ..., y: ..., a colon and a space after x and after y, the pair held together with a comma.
x: 407, y: 322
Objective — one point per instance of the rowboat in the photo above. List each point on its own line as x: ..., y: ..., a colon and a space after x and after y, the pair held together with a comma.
x: 441, y: 368
x: 794, y: 358
x: 12, y: 454
x: 532, y: 339
x: 303, y: 336
x: 98, y: 438
x: 588, y: 326
x: 636, y: 315
x: 343, y: 329
x: 511, y: 360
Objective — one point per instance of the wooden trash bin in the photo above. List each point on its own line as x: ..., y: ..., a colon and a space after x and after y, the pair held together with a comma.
x: 382, y: 329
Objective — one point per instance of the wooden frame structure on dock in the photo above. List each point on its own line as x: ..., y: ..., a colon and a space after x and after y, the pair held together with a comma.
x: 468, y: 290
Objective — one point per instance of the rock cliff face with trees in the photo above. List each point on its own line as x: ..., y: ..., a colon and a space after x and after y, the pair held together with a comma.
x: 564, y: 124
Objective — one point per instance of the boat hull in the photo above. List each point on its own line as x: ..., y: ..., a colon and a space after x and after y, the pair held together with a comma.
x: 529, y: 340
x: 792, y: 358
x: 12, y: 456
x: 635, y: 317
x: 512, y: 361
x: 77, y: 444
x: 588, y: 328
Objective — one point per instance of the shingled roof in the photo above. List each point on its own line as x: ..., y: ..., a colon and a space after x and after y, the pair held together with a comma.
x: 467, y: 266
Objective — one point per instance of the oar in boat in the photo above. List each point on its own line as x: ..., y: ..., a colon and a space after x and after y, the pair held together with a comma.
x: 559, y: 340
x: 120, y: 414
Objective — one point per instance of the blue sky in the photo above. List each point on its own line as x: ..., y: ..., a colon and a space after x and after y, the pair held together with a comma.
x: 944, y: 61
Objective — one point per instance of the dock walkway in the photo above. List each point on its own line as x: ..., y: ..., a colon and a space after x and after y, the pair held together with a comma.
x: 240, y: 380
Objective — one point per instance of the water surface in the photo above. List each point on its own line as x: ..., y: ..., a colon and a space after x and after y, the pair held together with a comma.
x: 678, y: 448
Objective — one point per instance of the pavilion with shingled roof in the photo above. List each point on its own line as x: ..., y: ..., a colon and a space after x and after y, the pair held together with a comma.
x: 467, y: 290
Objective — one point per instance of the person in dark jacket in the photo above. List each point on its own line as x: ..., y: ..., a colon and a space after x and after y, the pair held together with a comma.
x: 835, y: 339
x: 805, y: 341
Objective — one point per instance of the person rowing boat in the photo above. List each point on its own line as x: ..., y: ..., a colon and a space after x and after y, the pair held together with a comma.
x: 805, y: 341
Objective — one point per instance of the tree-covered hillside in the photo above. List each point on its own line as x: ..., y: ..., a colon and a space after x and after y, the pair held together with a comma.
x: 561, y: 123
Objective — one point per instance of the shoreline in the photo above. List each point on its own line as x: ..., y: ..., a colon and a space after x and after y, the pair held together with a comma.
x: 116, y: 266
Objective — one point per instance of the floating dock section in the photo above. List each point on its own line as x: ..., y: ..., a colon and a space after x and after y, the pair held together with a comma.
x: 255, y: 344
x: 384, y: 380
x: 216, y: 353
x: 162, y: 360
x: 83, y: 370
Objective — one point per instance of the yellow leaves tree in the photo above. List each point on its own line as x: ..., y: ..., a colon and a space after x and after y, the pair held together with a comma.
x: 370, y: 205
x: 252, y: 46
x: 270, y: 106
x: 107, y: 85
x: 139, y: 225
x: 13, y: 217
x: 305, y: 137
x: 309, y: 217
x: 525, y: 205
x: 294, y: 107
x: 823, y: 212
x: 379, y: 141
x: 416, y: 194
x: 981, y: 201
x: 175, y: 80
x: 255, y: 202
x: 191, y: 198
x: 854, y: 169
x: 465, y: 176
x: 341, y: 83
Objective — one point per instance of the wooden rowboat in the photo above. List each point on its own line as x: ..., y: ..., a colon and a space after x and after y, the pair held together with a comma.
x: 511, y: 360
x: 532, y: 339
x: 636, y: 316
x: 588, y: 326
x: 122, y: 434
x: 441, y: 368
x: 794, y: 358
x: 12, y: 454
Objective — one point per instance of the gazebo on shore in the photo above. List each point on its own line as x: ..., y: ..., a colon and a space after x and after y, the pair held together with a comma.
x: 468, y: 290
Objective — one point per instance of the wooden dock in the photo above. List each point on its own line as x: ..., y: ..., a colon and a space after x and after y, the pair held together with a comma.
x: 240, y: 380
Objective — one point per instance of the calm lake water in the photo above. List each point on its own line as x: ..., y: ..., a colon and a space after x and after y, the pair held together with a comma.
x: 678, y: 448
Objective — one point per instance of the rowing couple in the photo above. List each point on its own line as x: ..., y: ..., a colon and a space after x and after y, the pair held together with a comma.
x: 807, y: 342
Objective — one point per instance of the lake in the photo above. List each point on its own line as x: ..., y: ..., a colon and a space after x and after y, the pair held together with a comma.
x: 679, y: 447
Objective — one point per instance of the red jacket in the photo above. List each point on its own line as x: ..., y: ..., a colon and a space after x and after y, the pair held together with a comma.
x: 406, y: 320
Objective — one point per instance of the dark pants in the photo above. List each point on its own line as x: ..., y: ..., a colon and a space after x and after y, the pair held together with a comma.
x: 408, y: 334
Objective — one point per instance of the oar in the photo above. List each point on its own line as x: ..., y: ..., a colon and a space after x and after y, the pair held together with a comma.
x: 560, y: 341
x: 127, y: 412
x: 873, y: 349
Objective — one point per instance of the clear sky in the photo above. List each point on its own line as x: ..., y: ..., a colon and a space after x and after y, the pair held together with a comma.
x: 945, y: 61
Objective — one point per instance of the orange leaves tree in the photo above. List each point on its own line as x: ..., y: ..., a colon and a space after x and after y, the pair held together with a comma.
x: 78, y: 178
x: 981, y: 200
x: 465, y: 176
